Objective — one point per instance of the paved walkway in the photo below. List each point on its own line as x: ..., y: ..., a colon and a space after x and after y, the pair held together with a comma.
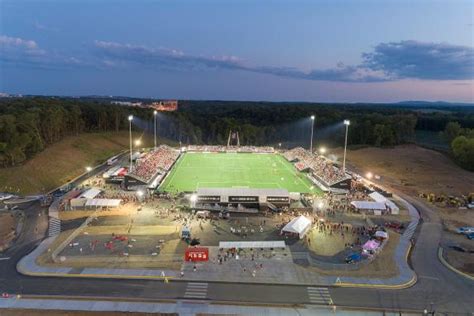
x: 275, y: 271
x: 180, y: 307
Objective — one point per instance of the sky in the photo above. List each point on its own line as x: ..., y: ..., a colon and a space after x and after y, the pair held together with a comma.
x: 320, y: 51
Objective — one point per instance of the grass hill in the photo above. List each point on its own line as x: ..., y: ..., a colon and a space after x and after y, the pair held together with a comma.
x: 63, y: 161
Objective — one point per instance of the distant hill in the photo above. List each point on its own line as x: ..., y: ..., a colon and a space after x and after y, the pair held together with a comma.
x: 433, y: 103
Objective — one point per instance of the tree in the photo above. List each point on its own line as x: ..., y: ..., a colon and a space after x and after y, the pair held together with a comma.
x: 463, y: 151
x: 451, y: 131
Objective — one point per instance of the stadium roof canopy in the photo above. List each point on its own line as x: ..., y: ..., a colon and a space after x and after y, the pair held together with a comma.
x: 241, y: 192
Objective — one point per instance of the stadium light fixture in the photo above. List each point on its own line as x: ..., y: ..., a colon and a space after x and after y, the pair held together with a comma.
x: 313, y: 118
x: 88, y: 169
x: 347, y: 123
x: 369, y: 175
x: 155, y: 112
x: 322, y: 150
x: 138, y: 142
x: 193, y: 198
x: 130, y: 119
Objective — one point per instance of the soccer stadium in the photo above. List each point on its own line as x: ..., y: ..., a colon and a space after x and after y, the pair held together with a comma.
x: 196, y: 170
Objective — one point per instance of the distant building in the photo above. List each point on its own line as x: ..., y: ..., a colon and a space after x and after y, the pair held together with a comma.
x: 165, y: 106
x: 127, y: 103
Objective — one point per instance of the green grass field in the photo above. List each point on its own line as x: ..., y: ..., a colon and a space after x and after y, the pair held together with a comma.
x: 226, y: 170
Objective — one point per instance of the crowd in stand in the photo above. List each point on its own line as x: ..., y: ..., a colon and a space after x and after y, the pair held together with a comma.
x: 320, y: 167
x: 222, y: 149
x: 155, y: 161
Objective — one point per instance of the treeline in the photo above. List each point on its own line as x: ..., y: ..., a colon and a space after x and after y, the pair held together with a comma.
x: 260, y: 123
x: 461, y: 141
x: 28, y: 125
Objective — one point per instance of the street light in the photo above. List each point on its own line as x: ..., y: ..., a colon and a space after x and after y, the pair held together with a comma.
x: 312, y: 128
x: 138, y: 142
x: 347, y: 123
x: 88, y: 169
x: 155, y: 112
x: 369, y: 175
x: 130, y: 119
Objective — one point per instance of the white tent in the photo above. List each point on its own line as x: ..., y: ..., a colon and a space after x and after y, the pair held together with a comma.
x: 103, y: 202
x: 367, y: 205
x: 381, y: 234
x: 298, y: 225
x: 377, y: 197
x: 90, y: 194
x: 252, y: 244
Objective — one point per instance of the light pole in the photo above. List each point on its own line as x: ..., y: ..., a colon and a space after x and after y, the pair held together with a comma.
x: 130, y: 119
x: 347, y: 123
x: 312, y: 128
x: 155, y: 112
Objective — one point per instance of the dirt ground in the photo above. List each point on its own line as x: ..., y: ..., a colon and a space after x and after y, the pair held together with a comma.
x: 384, y: 265
x: 414, y: 169
x: 7, y: 229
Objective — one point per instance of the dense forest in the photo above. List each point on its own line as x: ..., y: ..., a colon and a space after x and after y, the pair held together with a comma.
x: 28, y: 125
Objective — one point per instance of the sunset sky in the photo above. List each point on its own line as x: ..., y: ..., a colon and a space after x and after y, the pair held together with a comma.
x: 326, y: 51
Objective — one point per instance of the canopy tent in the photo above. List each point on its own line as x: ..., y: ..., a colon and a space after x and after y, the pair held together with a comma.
x: 377, y: 197
x: 381, y: 234
x: 371, y: 245
x: 367, y: 205
x: 90, y: 194
x: 103, y: 202
x: 251, y: 244
x: 298, y: 225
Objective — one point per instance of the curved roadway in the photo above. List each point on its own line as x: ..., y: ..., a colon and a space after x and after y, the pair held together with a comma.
x: 437, y: 288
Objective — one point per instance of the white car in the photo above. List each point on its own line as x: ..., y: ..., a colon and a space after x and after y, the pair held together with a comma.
x: 465, y: 230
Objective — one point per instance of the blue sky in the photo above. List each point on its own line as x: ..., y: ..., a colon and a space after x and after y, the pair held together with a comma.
x: 328, y: 51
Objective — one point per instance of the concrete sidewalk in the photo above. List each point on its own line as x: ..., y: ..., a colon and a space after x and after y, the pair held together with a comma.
x: 279, y: 270
x: 178, y: 307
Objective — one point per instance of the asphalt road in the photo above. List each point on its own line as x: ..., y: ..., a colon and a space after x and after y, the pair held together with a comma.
x: 437, y: 288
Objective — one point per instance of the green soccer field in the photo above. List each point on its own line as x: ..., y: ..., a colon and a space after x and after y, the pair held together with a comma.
x: 226, y: 170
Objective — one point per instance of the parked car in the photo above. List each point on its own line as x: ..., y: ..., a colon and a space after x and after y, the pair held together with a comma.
x: 394, y: 225
x: 470, y: 236
x: 353, y: 258
x: 465, y: 230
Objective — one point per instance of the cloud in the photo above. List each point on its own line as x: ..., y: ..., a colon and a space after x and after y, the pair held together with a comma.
x: 41, y: 27
x: 116, y: 54
x: 387, y: 62
x: 15, y: 43
x: 419, y: 60
x: 22, y: 52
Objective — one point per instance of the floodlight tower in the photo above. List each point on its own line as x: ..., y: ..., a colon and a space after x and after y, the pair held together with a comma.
x: 312, y: 130
x: 130, y: 119
x: 155, y: 112
x: 347, y: 123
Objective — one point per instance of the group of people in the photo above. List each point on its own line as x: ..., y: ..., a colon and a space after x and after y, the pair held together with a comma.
x: 321, y: 167
x: 242, y: 149
x: 160, y: 159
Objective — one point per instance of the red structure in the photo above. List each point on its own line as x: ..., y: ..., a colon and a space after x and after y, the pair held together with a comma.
x: 197, y: 254
x: 165, y: 106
